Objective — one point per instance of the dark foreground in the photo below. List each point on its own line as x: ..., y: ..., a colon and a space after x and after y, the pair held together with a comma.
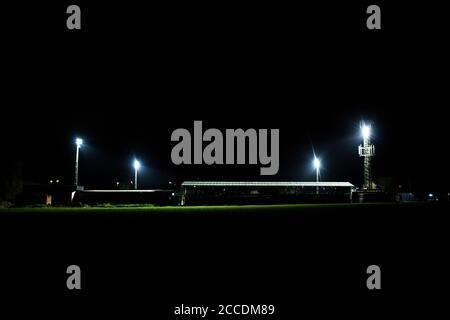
x: 306, y: 260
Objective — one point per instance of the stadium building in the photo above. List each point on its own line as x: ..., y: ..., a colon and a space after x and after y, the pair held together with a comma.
x: 247, y: 192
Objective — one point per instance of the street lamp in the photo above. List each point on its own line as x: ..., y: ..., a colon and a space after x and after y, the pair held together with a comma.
x: 316, y: 164
x: 136, y: 165
x: 78, y: 142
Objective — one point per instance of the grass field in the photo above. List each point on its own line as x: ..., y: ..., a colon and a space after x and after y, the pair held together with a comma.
x: 159, y: 256
x: 222, y: 208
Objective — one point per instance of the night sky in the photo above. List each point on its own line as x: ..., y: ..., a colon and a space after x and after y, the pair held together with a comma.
x: 134, y: 74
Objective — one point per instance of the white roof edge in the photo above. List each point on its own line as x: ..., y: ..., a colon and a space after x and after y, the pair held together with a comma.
x: 269, y: 183
x: 121, y: 191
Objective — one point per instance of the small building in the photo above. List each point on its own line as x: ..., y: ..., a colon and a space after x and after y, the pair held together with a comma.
x: 404, y: 197
x: 41, y: 194
x: 95, y: 197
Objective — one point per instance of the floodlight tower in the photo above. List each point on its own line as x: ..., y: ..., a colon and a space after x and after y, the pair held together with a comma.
x: 366, y: 150
x: 78, y: 142
x: 136, y: 166
x: 316, y: 164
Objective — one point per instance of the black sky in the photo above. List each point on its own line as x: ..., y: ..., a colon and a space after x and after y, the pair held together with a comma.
x: 133, y: 74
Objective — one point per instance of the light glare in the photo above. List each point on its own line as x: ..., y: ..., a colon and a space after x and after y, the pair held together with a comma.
x: 316, y: 163
x: 365, y: 131
x: 136, y: 164
x: 79, y: 141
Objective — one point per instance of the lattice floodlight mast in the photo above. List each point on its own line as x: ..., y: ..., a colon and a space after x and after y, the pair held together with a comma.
x: 366, y: 150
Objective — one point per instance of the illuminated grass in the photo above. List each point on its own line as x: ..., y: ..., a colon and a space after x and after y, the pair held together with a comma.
x: 201, y: 209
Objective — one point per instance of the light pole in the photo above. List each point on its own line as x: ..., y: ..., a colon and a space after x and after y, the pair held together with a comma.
x: 78, y: 142
x: 316, y: 164
x: 136, y: 165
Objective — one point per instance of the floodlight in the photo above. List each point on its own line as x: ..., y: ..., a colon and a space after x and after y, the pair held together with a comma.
x: 365, y: 131
x: 78, y: 141
x: 136, y: 164
x: 316, y: 163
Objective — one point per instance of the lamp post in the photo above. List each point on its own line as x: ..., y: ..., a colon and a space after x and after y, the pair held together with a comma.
x: 78, y: 142
x: 136, y: 165
x: 316, y: 164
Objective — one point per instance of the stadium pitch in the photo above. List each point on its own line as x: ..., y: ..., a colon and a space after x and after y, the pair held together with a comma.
x: 152, y: 257
x: 278, y: 208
